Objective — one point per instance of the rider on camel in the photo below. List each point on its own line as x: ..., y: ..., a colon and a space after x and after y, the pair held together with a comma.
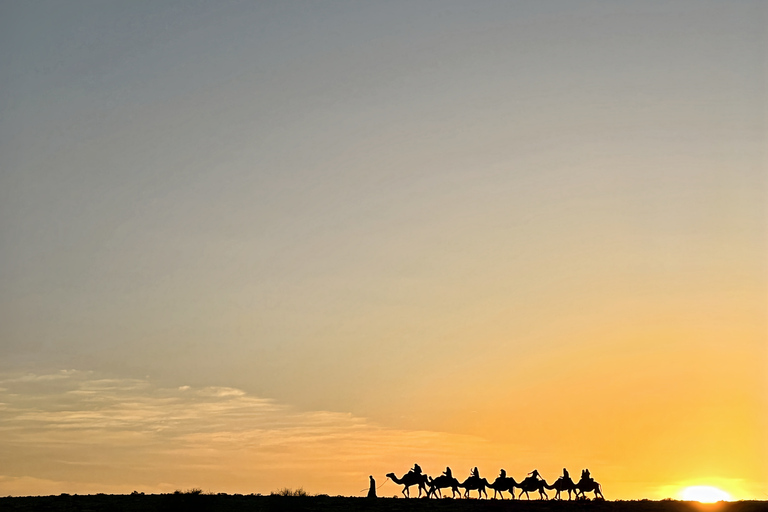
x: 534, y: 474
x: 447, y: 472
x: 585, y: 476
x: 416, y: 469
x: 502, y: 474
x: 475, y: 473
x: 565, y: 476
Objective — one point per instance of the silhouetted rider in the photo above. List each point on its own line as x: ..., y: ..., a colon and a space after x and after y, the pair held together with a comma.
x: 565, y: 476
x: 585, y: 476
x: 475, y: 473
x: 534, y: 474
x: 416, y: 469
x: 447, y: 472
x: 502, y: 474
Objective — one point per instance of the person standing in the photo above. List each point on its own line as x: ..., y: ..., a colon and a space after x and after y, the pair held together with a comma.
x: 372, y: 488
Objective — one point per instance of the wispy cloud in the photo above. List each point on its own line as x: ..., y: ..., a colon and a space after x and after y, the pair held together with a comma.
x: 71, y: 431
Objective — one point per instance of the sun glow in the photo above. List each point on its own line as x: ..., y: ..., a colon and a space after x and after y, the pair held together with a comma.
x: 705, y: 494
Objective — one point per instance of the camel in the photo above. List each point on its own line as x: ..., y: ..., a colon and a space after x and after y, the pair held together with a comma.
x: 443, y: 482
x: 563, y: 484
x: 588, y: 485
x: 501, y: 484
x: 475, y: 483
x: 408, y: 480
x: 533, y: 484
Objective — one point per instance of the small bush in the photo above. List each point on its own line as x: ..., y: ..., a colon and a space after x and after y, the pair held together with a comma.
x: 286, y: 491
x: 194, y: 491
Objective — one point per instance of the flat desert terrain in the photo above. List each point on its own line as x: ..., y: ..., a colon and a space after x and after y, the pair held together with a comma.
x: 237, y: 503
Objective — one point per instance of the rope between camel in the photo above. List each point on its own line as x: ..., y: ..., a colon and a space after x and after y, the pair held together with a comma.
x: 379, y: 487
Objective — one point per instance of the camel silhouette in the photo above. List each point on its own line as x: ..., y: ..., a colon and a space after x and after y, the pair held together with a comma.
x: 475, y: 483
x: 443, y: 482
x: 530, y: 484
x: 588, y: 485
x: 503, y: 483
x: 408, y: 480
x: 563, y: 484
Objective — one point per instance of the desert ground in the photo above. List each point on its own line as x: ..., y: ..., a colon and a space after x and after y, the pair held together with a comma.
x: 236, y: 503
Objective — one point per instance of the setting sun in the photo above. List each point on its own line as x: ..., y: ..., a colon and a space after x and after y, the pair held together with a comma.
x: 705, y: 494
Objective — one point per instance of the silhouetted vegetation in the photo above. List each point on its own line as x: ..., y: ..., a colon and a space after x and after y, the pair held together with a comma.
x: 290, y: 492
x: 194, y: 491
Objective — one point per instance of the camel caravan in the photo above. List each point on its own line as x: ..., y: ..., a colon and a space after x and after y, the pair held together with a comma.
x: 432, y: 487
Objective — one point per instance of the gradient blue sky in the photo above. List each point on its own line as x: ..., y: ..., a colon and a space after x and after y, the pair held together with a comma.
x: 433, y: 217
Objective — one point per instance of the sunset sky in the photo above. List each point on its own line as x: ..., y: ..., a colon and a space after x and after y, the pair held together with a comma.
x: 252, y: 245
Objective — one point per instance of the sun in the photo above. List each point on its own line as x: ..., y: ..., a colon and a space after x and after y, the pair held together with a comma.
x: 705, y: 494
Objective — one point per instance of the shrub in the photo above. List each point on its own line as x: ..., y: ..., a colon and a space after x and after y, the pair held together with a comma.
x: 286, y: 491
x: 194, y: 491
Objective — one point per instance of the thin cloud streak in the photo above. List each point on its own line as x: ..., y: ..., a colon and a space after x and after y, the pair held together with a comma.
x: 57, y: 428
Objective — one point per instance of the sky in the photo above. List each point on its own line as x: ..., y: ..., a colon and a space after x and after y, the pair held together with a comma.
x: 255, y: 245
